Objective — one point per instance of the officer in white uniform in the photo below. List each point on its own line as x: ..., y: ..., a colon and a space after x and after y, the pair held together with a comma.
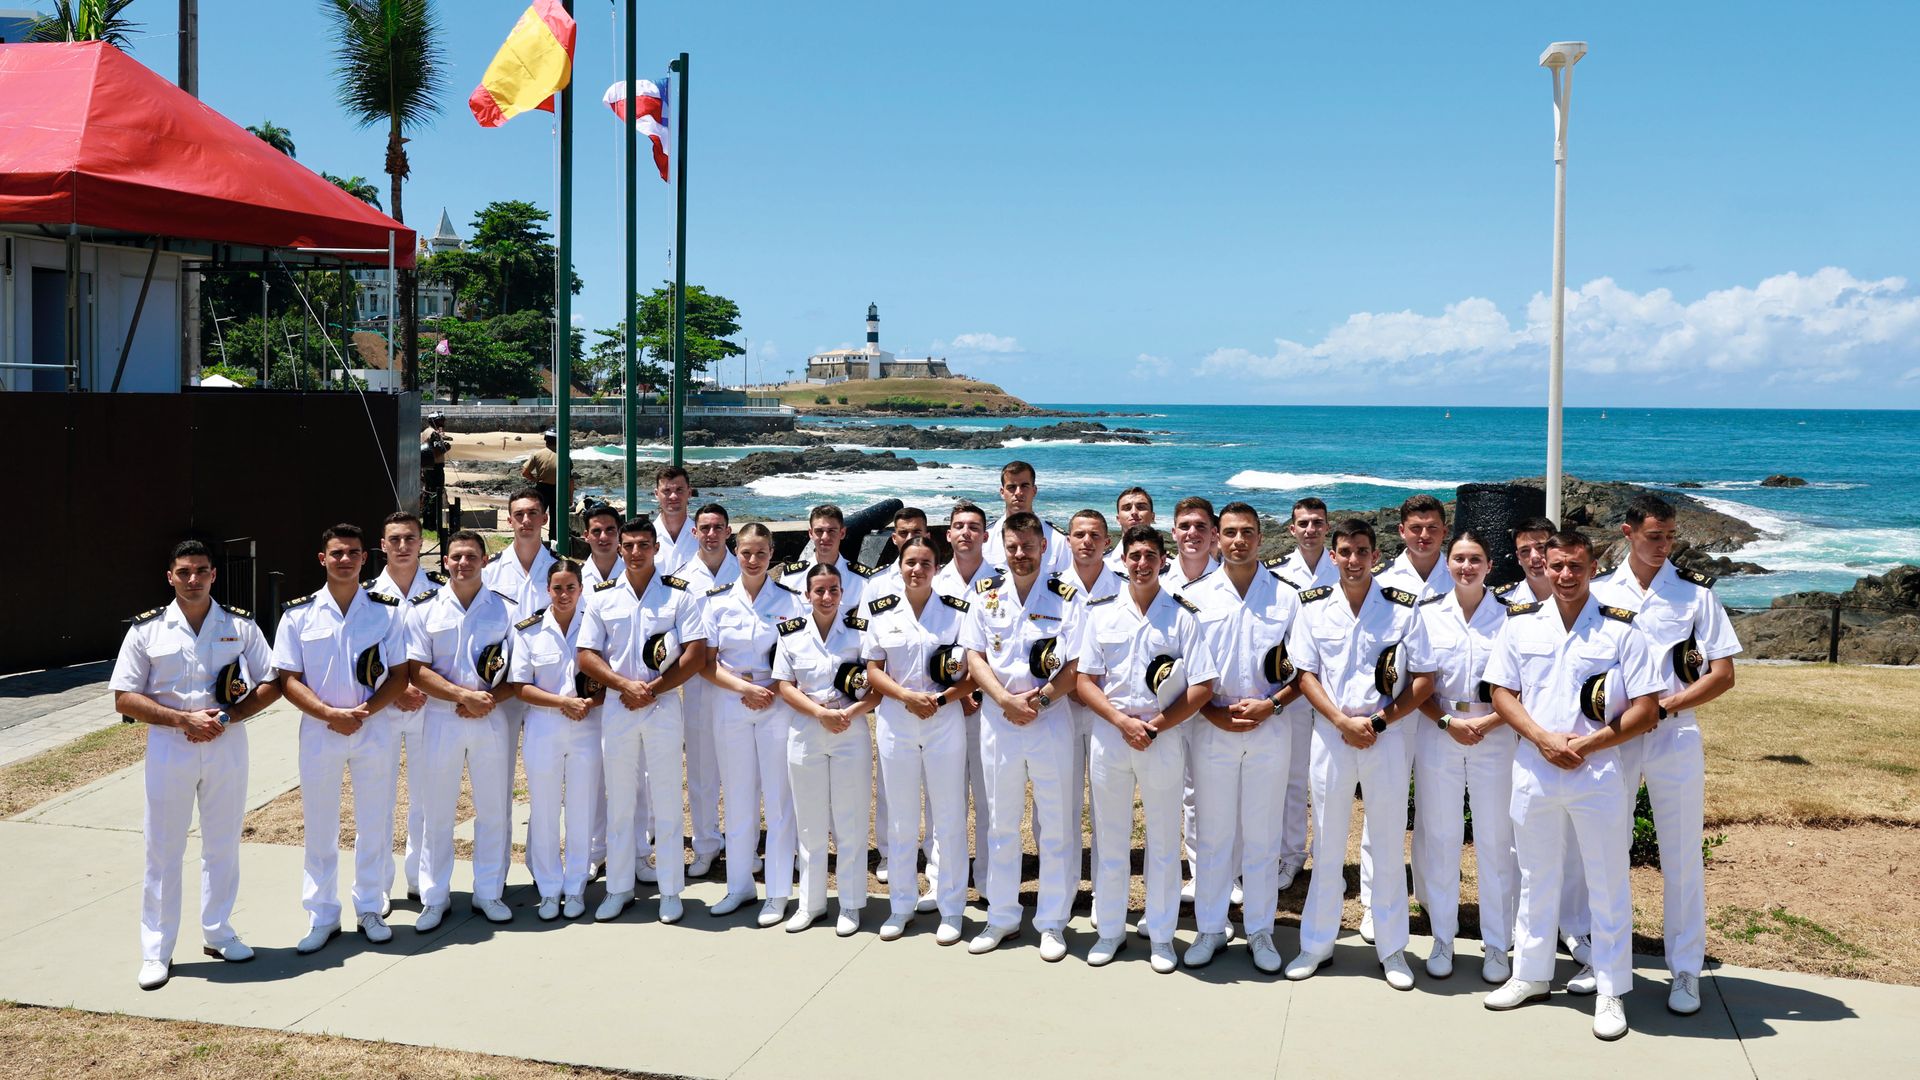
x: 1135, y: 644
x: 1693, y: 645
x: 342, y: 657
x: 1242, y: 746
x: 519, y: 573
x: 1093, y: 579
x: 459, y: 645
x: 966, y: 536
x: 1017, y: 490
x: 1567, y: 768
x: 603, y: 563
x: 402, y: 577
x: 1131, y: 507
x: 626, y: 646
x: 1307, y: 566
x: 1196, y: 536
x: 1022, y: 637
x: 678, y: 542
x: 909, y: 522
x: 711, y: 567
x: 1339, y: 643
x: 191, y: 671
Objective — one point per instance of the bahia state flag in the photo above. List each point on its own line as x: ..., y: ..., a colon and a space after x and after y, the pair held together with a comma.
x: 651, y: 102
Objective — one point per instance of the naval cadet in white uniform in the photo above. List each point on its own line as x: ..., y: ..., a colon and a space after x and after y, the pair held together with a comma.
x: 1307, y: 566
x: 1196, y: 538
x: 711, y: 567
x: 909, y: 522
x: 966, y: 537
x: 519, y: 572
x: 191, y: 671
x: 402, y: 577
x: 678, y: 542
x: 1093, y: 579
x: 1131, y: 507
x: 1018, y: 486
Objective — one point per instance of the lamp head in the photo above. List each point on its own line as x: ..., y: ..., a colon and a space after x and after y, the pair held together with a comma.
x: 1563, y: 54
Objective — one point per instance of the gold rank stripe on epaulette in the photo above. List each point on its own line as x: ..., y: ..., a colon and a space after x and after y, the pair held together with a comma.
x: 1620, y: 613
x: 955, y: 602
x: 1274, y: 562
x: 1523, y: 609
x: 437, y: 577
x: 242, y: 613
x: 531, y: 621
x: 1705, y: 581
x: 1060, y: 588
x: 1502, y: 590
x: 672, y: 582
x: 370, y: 583
x: 146, y: 616
x: 793, y: 567
x: 1308, y: 596
x: 884, y: 604
x: 298, y: 601
x: 987, y: 584
x: 1107, y: 599
x: 1186, y: 603
x: 1380, y: 567
x: 383, y: 598
x: 1434, y: 599
x: 718, y: 589
x: 610, y: 583
x: 854, y: 622
x: 1400, y: 596
x: 862, y: 568
x: 793, y: 625
x: 424, y: 597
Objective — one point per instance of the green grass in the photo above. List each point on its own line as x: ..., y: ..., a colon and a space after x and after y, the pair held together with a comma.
x: 1789, y: 931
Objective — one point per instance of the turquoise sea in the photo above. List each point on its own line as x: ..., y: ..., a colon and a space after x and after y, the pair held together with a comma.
x: 1859, y: 514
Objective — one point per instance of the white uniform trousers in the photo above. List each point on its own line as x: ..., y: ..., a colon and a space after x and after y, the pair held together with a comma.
x: 1575, y: 919
x: 180, y: 774
x: 1298, y: 720
x: 1672, y: 760
x: 1382, y: 771
x: 408, y: 731
x: 514, y: 711
x: 703, y: 766
x: 1405, y: 730
x: 933, y: 750
x: 1160, y: 773
x: 1240, y: 792
x: 1601, y: 813
x: 752, y: 750
x: 641, y: 748
x: 832, y: 778
x: 975, y: 825
x: 1041, y: 752
x: 563, y: 776
x: 366, y: 755
x: 480, y: 746
x: 1077, y: 788
x: 1445, y: 774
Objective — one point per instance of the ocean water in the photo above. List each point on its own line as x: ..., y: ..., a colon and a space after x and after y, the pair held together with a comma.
x: 1859, y: 514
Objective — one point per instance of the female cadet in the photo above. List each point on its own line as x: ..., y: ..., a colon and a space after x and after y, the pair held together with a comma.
x: 750, y: 723
x: 1463, y: 746
x: 917, y: 666
x: 818, y: 672
x: 563, y: 743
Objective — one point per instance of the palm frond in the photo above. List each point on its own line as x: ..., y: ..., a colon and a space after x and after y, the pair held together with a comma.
x: 388, y: 59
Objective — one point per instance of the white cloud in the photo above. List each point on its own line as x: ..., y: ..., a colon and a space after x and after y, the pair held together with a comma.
x: 1151, y: 367
x: 978, y: 343
x: 1912, y: 375
x: 1825, y: 327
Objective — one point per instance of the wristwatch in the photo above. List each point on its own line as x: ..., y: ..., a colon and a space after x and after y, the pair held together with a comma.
x: 1276, y: 703
x: 1045, y: 701
x: 1379, y: 721
x: 941, y: 697
x: 1445, y: 720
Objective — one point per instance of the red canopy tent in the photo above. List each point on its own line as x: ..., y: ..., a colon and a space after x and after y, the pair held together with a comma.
x: 90, y: 137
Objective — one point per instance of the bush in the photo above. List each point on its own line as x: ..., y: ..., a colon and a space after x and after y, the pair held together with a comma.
x: 979, y: 408
x: 1646, y: 839
x: 842, y: 399
x: 238, y: 374
x: 822, y: 399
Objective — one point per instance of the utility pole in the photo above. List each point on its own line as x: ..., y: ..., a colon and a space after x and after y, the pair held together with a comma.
x: 188, y: 76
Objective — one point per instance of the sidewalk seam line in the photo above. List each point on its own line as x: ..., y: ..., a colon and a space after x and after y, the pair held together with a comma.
x: 818, y: 990
x: 1735, y: 1025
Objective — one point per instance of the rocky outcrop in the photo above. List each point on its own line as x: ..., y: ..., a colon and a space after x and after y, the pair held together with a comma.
x: 503, y: 477
x: 1783, y: 480
x: 928, y: 438
x: 1879, y: 622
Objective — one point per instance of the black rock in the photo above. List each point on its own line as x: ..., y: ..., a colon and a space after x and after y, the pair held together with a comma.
x: 1783, y: 480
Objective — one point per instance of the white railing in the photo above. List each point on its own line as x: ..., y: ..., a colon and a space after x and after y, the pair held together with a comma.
x: 610, y: 410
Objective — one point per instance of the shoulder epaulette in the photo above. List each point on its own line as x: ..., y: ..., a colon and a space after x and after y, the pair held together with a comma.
x: 1400, y: 596
x: 782, y: 585
x: 298, y: 601
x: 1523, y: 609
x: 1186, y: 603
x: 718, y: 589
x: 672, y: 582
x: 1502, y: 590
x: 423, y: 598
x: 495, y: 557
x: 1380, y: 567
x: 438, y: 577
x: 370, y: 583
x: 508, y: 597
x: 793, y: 567
x: 988, y: 584
x: 1274, y: 562
x: 383, y: 598
x: 1308, y: 596
x: 1434, y: 599
x: 885, y: 603
x: 854, y: 622
x: 1107, y: 599
x: 1705, y: 581
x: 1620, y: 613
x: 610, y: 583
x: 149, y: 615
x: 862, y: 568
x: 1283, y: 581
x: 1060, y: 588
x: 954, y: 602
x: 530, y: 621
x: 798, y: 622
x: 243, y: 613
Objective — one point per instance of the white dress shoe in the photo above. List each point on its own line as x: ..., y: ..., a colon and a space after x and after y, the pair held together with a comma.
x: 644, y: 871
x: 701, y: 866
x: 1684, y: 998
x: 494, y: 909
x: 731, y: 903
x: 950, y: 932
x: 1399, y: 975
x: 1495, y: 968
x: 1578, y: 946
x: 1140, y: 928
x: 1105, y: 950
x: 386, y: 906
x: 1289, y: 869
x: 1440, y: 960
x: 1186, y: 893
x: 1200, y: 953
x: 927, y: 904
x: 154, y: 974
x: 772, y: 912
x: 1162, y: 958
x: 430, y: 917
x: 317, y: 939
x: 759, y: 864
x: 848, y: 924
x: 1609, y: 1017
x: 803, y: 919
x: 880, y: 872
x: 235, y: 951
x: 990, y: 938
x: 375, y: 929
x: 574, y: 906
x: 1366, y: 926
x: 1238, y: 896
x: 1053, y: 946
x: 1304, y: 965
x: 548, y: 908
x: 894, y: 928
x: 1517, y: 992
x: 671, y: 909
x: 612, y: 906
x: 1265, y: 956
x: 1584, y: 982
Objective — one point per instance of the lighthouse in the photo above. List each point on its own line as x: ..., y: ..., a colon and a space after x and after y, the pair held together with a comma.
x: 873, y: 341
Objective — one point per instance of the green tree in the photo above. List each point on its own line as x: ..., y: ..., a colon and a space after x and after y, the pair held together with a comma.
x: 711, y: 319
x: 605, y: 365
x: 275, y: 136
x: 356, y: 186
x: 87, y: 20
x: 481, y: 364
x: 389, y: 68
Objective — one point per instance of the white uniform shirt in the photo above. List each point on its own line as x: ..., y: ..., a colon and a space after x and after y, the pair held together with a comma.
x: 1461, y: 647
x: 1120, y: 641
x: 1401, y: 575
x: 590, y: 574
x: 620, y: 621
x: 701, y: 581
x: 743, y: 630
x: 1109, y: 583
x: 810, y: 663
x: 885, y: 581
x: 1241, y: 630
x: 1057, y: 560
x: 162, y: 658
x: 1547, y: 664
x: 526, y: 587
x: 424, y: 581
x: 853, y: 582
x: 1341, y: 648
x: 904, y: 642
x: 449, y: 638
x: 671, y: 553
x: 1005, y: 631
x: 1293, y: 568
x: 1172, y: 577
x: 1673, y: 608
x: 322, y: 643
x: 545, y: 655
x: 1518, y: 592
x: 948, y: 581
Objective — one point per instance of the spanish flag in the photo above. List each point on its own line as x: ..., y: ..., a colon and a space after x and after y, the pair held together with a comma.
x: 533, y: 64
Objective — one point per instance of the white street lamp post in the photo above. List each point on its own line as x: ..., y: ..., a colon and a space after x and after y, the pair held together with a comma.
x: 1560, y: 58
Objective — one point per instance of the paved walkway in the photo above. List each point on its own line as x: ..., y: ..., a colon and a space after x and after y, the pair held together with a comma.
x: 719, y: 998
x: 40, y: 710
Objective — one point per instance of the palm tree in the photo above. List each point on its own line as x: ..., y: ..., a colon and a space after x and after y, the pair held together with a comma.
x: 275, y: 136
x: 87, y: 20
x: 356, y: 186
x: 390, y: 68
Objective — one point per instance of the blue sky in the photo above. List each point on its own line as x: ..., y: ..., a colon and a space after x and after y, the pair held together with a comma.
x: 1286, y: 203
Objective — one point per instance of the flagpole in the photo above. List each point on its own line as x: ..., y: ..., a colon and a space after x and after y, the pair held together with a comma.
x: 563, y: 317
x: 633, y: 285
x: 680, y: 267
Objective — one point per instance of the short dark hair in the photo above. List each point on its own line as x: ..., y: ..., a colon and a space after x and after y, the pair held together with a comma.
x: 1017, y: 466
x: 1195, y: 502
x: 713, y: 508
x: 1311, y: 502
x: 1422, y: 504
x: 1134, y: 490
x: 563, y: 565
x: 401, y: 517
x: 527, y: 493
x: 909, y: 513
x: 1648, y: 505
x: 1237, y: 507
x: 824, y: 569
x: 1352, y: 527
x: 1534, y: 524
x: 919, y: 542
x: 601, y: 509
x: 1023, y: 522
x: 1472, y: 536
x: 1143, y: 534
x: 639, y: 526
x: 342, y: 531
x: 187, y: 549
x: 1569, y: 540
x: 965, y: 507
x: 465, y: 536
x: 670, y: 472
x: 827, y: 512
x: 1094, y: 514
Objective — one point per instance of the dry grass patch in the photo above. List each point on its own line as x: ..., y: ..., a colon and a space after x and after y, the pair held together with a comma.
x: 29, y: 782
